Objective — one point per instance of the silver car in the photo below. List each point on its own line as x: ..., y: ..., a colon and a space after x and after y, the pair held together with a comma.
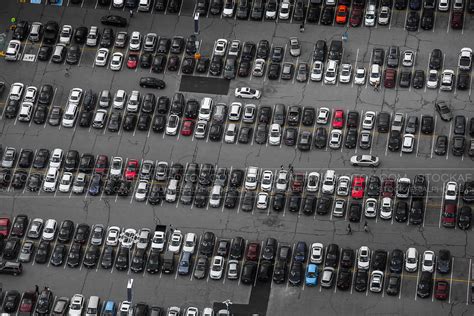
x: 143, y: 238
x: 9, y: 157
x: 98, y: 233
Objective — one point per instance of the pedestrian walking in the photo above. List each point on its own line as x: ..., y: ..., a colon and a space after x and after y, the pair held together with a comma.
x: 349, y: 229
x: 131, y: 13
x: 36, y: 289
x: 301, y: 27
x: 366, y: 227
x: 376, y: 86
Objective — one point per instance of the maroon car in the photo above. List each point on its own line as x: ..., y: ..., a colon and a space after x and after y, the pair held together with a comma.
x: 102, y: 164
x: 356, y: 17
x: 253, y: 251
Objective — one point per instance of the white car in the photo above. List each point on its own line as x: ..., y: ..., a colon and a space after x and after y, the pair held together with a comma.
x: 102, y: 57
x: 51, y: 180
x: 113, y: 236
x: 384, y: 15
x: 365, y: 161
x: 49, y: 230
x: 360, y: 76
x: 200, y: 129
x: 375, y: 74
x: 267, y: 181
x: 127, y: 238
x: 335, y: 139
x: 447, y: 80
x: 125, y: 307
x: 234, y: 48
x: 191, y: 311
x: 230, y: 133
x: 433, y: 79
x: 312, y: 184
x: 119, y: 100
x: 369, y: 120
x: 408, y: 58
x: 175, y: 242
x: 274, y: 135
x: 451, y: 191
x: 66, y: 182
x: 386, y: 208
x: 228, y: 9
x: 116, y: 167
x: 343, y: 186
x: 317, y: 71
x: 429, y: 261
x: 189, y: 244
x: 220, y: 47
x: 75, y: 96
x: 370, y: 209
x: 158, y: 241
x: 284, y: 12
x: 329, y: 182
x: 251, y: 178
x: 443, y: 5
x: 262, y: 200
x: 363, y: 258
x: 345, y: 73
x: 376, y: 281
x: 135, y: 42
x: 258, y: 67
x: 235, y: 111
x: 16, y: 91
x: 323, y: 116
x: 217, y: 267
x: 408, y: 144
x: 339, y: 208
x: 282, y: 181
x: 13, y: 50
x: 65, y: 35
x: 56, y: 158
x: 76, y: 306
x: 116, y: 61
x: 330, y: 76
x: 31, y: 93
x: 118, y: 3
x: 232, y: 271
x: 133, y: 101
x: 317, y: 253
x: 465, y: 59
x: 142, y: 191
x: 411, y: 260
x: 172, y: 125
x: 247, y: 93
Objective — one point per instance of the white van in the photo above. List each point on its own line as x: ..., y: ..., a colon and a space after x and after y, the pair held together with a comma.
x: 93, y: 36
x: 35, y: 32
x: 205, y: 110
x: 93, y: 306
x: 56, y: 158
x: 16, y: 91
x: 69, y: 117
x: 216, y: 194
x: 172, y: 191
x: 329, y: 182
x: 26, y: 112
x: 369, y: 19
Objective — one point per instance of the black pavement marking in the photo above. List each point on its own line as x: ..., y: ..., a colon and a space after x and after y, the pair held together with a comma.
x: 258, y: 302
x: 204, y: 85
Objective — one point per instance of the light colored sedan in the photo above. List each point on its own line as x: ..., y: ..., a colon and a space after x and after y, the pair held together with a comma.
x: 345, y: 74
x: 376, y: 281
x: 370, y: 210
x: 200, y: 129
x: 360, y: 76
x: 233, y: 270
x: 142, y: 191
x: 113, y: 236
x: 365, y: 161
x: 217, y: 267
x: 369, y: 120
x: 259, y: 68
x: 317, y: 71
x: 116, y: 61
x: 102, y: 57
x: 66, y: 182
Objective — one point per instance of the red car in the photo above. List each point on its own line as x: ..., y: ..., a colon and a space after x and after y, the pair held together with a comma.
x: 253, y: 251
x: 132, y: 61
x: 457, y: 19
x: 188, y: 127
x: 102, y: 164
x: 358, y: 186
x: 341, y: 14
x: 389, y: 78
x: 388, y: 188
x: 448, y: 218
x: 356, y: 17
x: 131, y: 170
x: 338, y: 119
x: 4, y: 226
x: 441, y: 290
x: 28, y: 300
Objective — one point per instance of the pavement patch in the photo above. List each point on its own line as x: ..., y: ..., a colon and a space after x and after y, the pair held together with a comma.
x: 204, y: 85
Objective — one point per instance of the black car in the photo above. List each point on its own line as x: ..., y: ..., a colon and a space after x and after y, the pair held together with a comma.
x: 107, y: 38
x: 80, y: 35
x: 249, y: 271
x: 174, y: 6
x: 66, y: 231
x: 85, y: 118
x: 34, y: 182
x: 396, y: 261
x: 263, y: 49
x: 257, y: 10
x: 351, y: 138
x: 82, y: 234
x: 290, y: 136
x: 202, y: 6
x: 146, y: 60
x: 393, y: 284
x: 332, y: 256
x: 59, y: 255
x: 277, y: 54
x: 361, y: 280
x: 41, y: 159
x: 71, y: 160
x: 11, y: 248
x: 114, y: 20
x: 379, y: 260
x: 355, y: 212
x: 320, y: 138
x: 305, y: 140
x: 394, y: 141
x: 405, y: 79
x: 458, y: 145
x: 123, y: 258
x: 314, y: 12
x: 265, y: 270
x: 436, y: 59
x: 19, y: 226
x: 459, y: 125
x: 463, y: 81
x: 150, y: 82
x: 216, y: 7
x: 153, y: 264
x: 12, y: 108
x: 55, y: 116
x: 245, y: 134
x: 324, y: 205
x: 427, y: 124
x: 242, y: 10
x: 26, y: 158
x: 327, y: 16
x: 11, y: 301
x: 41, y: 113
x: 217, y: 63
x: 19, y: 179
x: 320, y: 51
x: 418, y: 79
x: 159, y: 63
x: 44, y: 303
x: 347, y: 258
x: 401, y: 4
x: 177, y: 45
x: 412, y: 22
x: 130, y: 122
x: 237, y: 248
x: 51, y: 32
x: 231, y: 199
x: 108, y: 257
x: 465, y: 217
x: 280, y: 271
x: 427, y: 19
x: 115, y: 121
x: 188, y: 65
x: 244, y: 69
x: 248, y: 201
x: 425, y: 284
x: 261, y: 134
x: 5, y: 178
x: 443, y: 265
x: 274, y: 71
x: 144, y: 121
x: 138, y: 260
x: 45, y: 95
x: 159, y: 123
x: 208, y: 241
x: 163, y: 105
x: 294, y: 202
x: 296, y: 273
x: 309, y: 115
x: 42, y: 253
x: 215, y: 132
x: 190, y: 46
x: 415, y: 216
x: 344, y: 279
x: 309, y: 205
x: 202, y: 65
x: 21, y: 30
x: 401, y: 211
x: 279, y: 201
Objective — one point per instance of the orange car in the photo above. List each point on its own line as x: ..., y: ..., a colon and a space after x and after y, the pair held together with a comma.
x: 341, y: 14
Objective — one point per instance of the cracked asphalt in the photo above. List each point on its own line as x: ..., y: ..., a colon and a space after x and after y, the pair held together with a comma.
x: 286, y: 227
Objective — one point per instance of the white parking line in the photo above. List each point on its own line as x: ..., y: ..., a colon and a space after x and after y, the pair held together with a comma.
x: 451, y: 280
x: 469, y: 281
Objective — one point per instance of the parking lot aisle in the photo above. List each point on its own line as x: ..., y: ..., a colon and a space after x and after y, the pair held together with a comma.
x: 433, y: 136
x: 459, y: 273
x: 469, y: 281
x: 441, y: 206
x: 291, y: 263
x: 451, y: 280
x: 420, y: 257
x: 15, y: 167
x: 401, y: 280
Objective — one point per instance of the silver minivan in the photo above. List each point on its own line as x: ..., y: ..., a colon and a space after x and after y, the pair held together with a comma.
x: 35, y: 32
x: 93, y: 306
x: 216, y: 194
